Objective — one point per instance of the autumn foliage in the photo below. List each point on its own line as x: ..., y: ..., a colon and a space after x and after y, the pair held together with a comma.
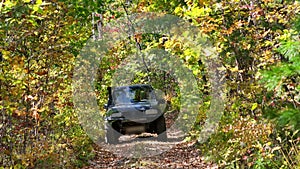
x: 257, y: 41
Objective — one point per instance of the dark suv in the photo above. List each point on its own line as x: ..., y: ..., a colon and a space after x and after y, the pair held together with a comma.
x: 134, y: 109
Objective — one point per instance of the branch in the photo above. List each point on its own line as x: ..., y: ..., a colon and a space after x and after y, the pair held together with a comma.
x: 138, y: 45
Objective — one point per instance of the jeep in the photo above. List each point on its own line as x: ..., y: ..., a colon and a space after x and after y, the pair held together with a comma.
x: 134, y: 109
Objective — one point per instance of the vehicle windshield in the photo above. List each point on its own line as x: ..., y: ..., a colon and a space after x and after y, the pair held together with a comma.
x: 133, y: 94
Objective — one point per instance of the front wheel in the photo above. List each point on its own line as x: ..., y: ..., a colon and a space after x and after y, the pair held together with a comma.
x: 111, y: 135
x: 160, y: 128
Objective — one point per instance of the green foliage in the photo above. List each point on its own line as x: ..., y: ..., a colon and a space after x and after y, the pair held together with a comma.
x: 290, y: 69
x: 297, y: 24
x: 289, y: 117
x: 282, y: 79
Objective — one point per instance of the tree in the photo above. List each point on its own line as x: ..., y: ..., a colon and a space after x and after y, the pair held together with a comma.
x: 39, y: 41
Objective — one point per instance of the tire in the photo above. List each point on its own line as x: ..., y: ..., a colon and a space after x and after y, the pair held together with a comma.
x: 160, y: 128
x: 111, y: 135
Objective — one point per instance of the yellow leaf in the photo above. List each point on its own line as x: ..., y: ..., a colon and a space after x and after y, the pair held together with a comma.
x: 39, y: 2
x: 234, y: 69
x: 36, y: 7
x: 178, y: 10
x: 254, y: 106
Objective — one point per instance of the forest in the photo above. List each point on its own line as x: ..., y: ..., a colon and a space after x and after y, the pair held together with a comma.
x: 227, y: 70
